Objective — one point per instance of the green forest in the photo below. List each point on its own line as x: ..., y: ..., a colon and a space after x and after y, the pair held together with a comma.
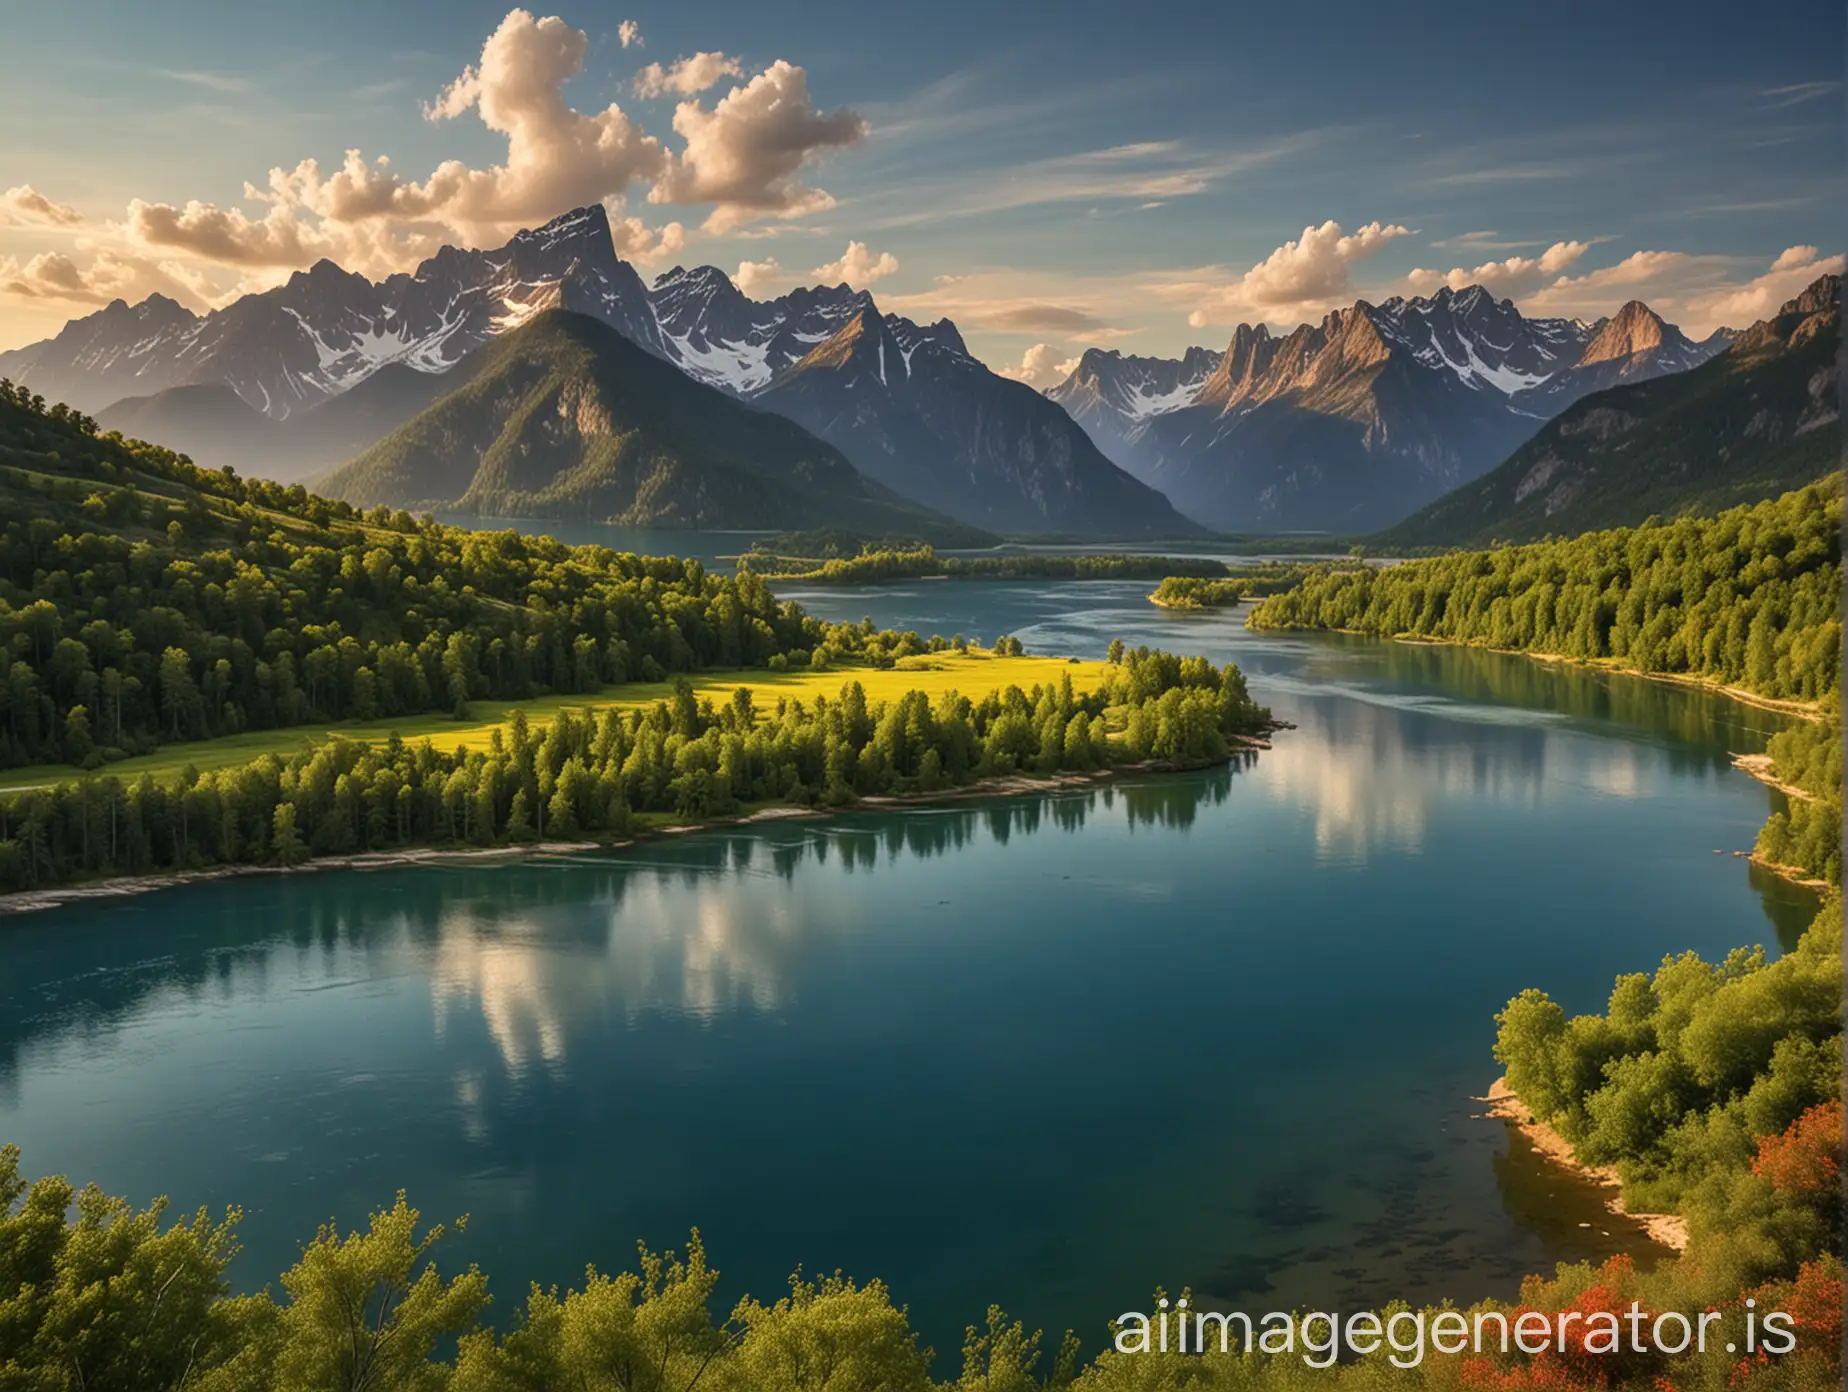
x: 1749, y: 599
x: 144, y: 600
x: 1182, y: 591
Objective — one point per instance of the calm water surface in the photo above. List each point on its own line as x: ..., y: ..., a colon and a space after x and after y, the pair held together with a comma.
x: 1219, y: 1030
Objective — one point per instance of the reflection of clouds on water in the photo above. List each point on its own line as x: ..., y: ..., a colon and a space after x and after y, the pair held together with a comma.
x: 721, y: 927
x: 669, y: 944
x: 1371, y: 778
x: 1619, y: 774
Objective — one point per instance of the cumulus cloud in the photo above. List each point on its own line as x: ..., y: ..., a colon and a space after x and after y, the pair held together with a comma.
x: 686, y: 77
x: 368, y: 218
x: 55, y: 276
x: 629, y: 33
x: 646, y: 246
x: 1739, y: 306
x: 857, y: 267
x: 1302, y: 277
x: 1517, y: 275
x: 755, y: 276
x: 25, y: 206
x: 1700, y: 293
x: 1040, y: 366
x: 744, y: 154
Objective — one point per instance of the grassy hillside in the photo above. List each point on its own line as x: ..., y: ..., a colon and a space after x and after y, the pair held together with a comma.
x: 1753, y: 423
x: 564, y: 417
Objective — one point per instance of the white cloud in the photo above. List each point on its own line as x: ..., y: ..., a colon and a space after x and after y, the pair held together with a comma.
x: 1299, y: 279
x: 54, y: 276
x: 629, y: 33
x: 1699, y: 293
x: 857, y: 267
x: 764, y: 275
x: 687, y: 76
x: 25, y: 206
x: 638, y: 242
x: 1518, y: 275
x: 1740, y: 306
x: 744, y: 154
x: 1040, y: 367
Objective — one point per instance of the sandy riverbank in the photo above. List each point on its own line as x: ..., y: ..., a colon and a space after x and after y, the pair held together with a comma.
x: 1012, y: 785
x: 1759, y: 766
x: 1669, y: 1229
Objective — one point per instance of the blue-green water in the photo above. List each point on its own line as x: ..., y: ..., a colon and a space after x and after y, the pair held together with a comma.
x: 1219, y: 1030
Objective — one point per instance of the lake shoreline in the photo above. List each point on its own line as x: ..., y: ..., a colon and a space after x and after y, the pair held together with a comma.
x: 1670, y: 1230
x: 25, y: 901
x: 1807, y: 710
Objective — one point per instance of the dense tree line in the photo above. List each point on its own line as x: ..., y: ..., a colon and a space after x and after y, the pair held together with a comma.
x: 922, y: 561
x: 1182, y: 591
x: 1750, y: 598
x: 143, y: 600
x: 1700, y: 1084
x: 603, y: 776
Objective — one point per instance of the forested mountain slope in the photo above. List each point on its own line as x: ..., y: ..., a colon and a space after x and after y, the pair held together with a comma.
x: 565, y: 417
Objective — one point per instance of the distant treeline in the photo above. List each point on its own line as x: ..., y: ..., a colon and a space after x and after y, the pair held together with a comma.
x: 601, y: 777
x: 1238, y: 584
x: 923, y: 562
x: 1751, y: 598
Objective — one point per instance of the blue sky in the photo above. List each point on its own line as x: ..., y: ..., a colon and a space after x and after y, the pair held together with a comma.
x: 1050, y: 176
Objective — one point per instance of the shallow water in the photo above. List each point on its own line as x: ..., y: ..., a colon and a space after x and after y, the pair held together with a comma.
x: 1218, y: 1030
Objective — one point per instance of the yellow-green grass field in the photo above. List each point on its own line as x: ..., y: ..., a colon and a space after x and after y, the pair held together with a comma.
x: 974, y: 674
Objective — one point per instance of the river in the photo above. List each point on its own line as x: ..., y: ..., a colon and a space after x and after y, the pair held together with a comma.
x: 1219, y: 1030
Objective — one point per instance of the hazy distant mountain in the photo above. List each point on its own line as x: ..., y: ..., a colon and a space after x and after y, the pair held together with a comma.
x: 906, y: 403
x: 565, y: 417
x: 217, y: 428
x: 1633, y: 345
x: 1754, y: 423
x: 1115, y: 397
x: 210, y: 422
x: 1349, y: 424
x: 911, y: 408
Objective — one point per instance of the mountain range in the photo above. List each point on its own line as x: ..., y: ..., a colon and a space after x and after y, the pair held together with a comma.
x: 1751, y: 424
x: 1348, y: 424
x: 330, y: 362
